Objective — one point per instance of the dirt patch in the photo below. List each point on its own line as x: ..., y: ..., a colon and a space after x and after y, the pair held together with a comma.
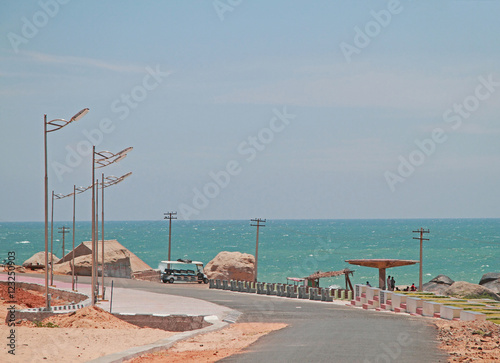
x: 468, y: 341
x: 89, y: 317
x: 214, y: 346
x: 24, y: 299
x: 74, y: 344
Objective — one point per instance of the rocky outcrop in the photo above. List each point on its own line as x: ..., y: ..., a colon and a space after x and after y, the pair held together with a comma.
x: 231, y: 266
x: 438, y: 284
x: 467, y: 290
x: 491, y: 281
x: 38, y: 259
x: 115, y: 265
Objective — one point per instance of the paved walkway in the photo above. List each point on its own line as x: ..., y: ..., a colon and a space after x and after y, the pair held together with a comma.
x: 127, y: 300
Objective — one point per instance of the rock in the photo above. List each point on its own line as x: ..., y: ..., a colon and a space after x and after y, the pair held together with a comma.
x: 467, y: 290
x: 438, y: 284
x: 38, y: 259
x: 490, y: 276
x: 231, y: 266
x: 491, y: 281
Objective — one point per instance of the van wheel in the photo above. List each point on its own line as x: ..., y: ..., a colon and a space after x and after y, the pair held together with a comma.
x: 171, y: 280
x: 205, y: 281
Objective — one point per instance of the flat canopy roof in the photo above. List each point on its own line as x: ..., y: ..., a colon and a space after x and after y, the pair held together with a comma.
x: 381, y: 262
x: 318, y: 275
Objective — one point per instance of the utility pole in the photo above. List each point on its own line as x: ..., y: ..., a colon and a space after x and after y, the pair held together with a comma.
x: 421, y: 238
x: 259, y: 222
x: 63, y: 230
x: 170, y: 216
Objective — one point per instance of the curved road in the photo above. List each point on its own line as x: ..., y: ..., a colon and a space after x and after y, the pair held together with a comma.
x: 317, y: 331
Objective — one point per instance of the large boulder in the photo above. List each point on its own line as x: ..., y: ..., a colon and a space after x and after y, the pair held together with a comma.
x: 467, y: 290
x: 231, y: 266
x: 491, y: 281
x: 38, y: 259
x: 438, y: 284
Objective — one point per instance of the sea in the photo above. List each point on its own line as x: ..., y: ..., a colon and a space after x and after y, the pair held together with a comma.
x: 463, y: 249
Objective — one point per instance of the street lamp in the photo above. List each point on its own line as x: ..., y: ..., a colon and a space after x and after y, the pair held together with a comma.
x: 107, y: 182
x: 51, y: 126
x: 102, y: 159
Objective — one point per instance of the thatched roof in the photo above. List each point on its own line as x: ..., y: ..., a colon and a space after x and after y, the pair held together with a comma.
x: 319, y: 274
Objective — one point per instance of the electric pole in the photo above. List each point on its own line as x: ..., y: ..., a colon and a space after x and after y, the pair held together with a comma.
x: 259, y: 222
x: 421, y: 238
x: 63, y: 230
x: 170, y: 216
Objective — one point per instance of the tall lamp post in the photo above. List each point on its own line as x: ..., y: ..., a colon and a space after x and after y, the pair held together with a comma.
x: 101, y: 159
x: 107, y: 182
x: 51, y: 126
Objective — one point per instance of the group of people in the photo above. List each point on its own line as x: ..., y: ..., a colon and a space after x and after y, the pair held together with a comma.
x: 391, y: 284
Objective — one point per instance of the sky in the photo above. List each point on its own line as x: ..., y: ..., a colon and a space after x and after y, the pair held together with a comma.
x: 240, y: 109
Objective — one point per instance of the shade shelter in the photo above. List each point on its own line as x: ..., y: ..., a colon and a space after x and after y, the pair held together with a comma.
x: 382, y: 264
x: 313, y: 280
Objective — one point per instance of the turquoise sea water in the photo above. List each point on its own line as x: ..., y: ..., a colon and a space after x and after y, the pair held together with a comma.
x: 463, y: 249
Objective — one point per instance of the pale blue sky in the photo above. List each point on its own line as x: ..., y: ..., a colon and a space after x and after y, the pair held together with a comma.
x: 202, y: 84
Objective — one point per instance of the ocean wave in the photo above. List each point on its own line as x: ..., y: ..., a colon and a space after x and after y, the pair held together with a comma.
x: 22, y: 242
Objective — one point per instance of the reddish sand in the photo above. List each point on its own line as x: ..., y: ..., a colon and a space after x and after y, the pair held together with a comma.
x: 470, y: 341
x: 212, y: 347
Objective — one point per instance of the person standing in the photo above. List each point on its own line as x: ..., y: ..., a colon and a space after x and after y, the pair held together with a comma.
x: 393, y: 283
x: 388, y: 287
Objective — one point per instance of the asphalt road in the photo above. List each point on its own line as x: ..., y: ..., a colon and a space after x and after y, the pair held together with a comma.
x: 317, y: 331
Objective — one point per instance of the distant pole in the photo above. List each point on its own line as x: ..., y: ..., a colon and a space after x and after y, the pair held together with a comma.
x: 170, y: 216
x: 102, y: 236
x: 92, y: 295
x: 73, y: 250
x: 63, y: 230
x: 52, y: 243
x: 421, y: 238
x: 259, y: 224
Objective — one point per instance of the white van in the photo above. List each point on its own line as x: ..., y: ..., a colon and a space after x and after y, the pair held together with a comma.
x: 183, y: 270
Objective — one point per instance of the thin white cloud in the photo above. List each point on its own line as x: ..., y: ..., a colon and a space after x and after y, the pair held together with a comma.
x: 83, y: 62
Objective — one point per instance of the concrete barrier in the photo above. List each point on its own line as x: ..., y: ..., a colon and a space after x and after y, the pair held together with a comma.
x: 252, y: 289
x: 225, y: 285
x: 468, y: 315
x: 291, y: 291
x: 211, y: 284
x: 303, y: 292
x: 326, y: 295
x: 413, y: 303
x: 218, y: 284
x: 261, y: 288
x: 430, y: 308
x: 399, y: 303
x: 372, y: 297
x: 449, y: 312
